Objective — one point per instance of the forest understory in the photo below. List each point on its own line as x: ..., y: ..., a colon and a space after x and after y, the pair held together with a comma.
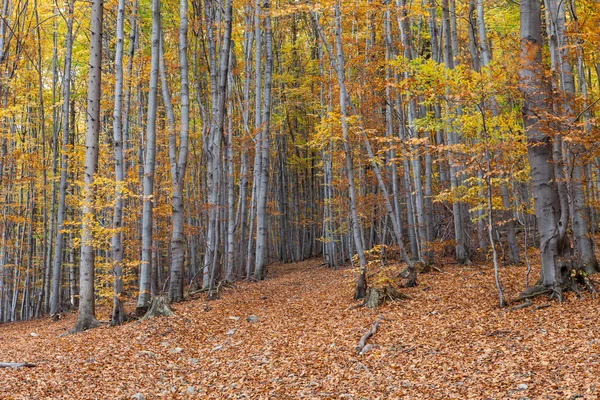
x: 295, y: 335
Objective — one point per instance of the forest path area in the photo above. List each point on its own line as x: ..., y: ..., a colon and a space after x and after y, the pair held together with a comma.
x: 449, y: 340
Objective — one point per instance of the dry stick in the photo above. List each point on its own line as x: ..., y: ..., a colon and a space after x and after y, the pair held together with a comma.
x: 16, y: 365
x: 362, y: 347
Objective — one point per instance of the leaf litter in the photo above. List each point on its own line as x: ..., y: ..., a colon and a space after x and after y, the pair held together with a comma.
x: 448, y: 340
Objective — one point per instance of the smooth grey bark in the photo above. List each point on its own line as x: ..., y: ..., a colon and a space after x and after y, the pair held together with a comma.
x: 47, y: 212
x: 133, y: 38
x: 580, y: 216
x: 60, y: 215
x: 539, y: 144
x: 261, y: 203
x: 213, y: 151
x: 419, y: 210
x: 178, y: 177
x: 55, y: 129
x: 86, y: 318
x: 3, y: 24
x: 118, y: 316
x: 242, y: 209
x: 258, y: 137
x: 219, y: 92
x: 490, y: 219
x: 145, y: 279
x: 230, y: 189
x: 170, y: 114
x: 462, y: 256
x: 390, y: 54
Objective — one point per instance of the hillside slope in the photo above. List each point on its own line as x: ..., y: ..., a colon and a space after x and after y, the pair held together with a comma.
x: 449, y: 340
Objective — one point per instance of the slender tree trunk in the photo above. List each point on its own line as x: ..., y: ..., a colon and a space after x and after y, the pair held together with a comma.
x: 261, y: 204
x: 580, y: 218
x: 145, y: 286
x: 86, y: 318
x: 66, y: 89
x: 219, y: 87
x: 178, y: 180
x: 361, y: 286
x: 118, y: 316
x: 540, y: 149
x: 462, y: 256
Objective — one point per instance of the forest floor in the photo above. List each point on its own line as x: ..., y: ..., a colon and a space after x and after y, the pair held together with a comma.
x: 449, y: 340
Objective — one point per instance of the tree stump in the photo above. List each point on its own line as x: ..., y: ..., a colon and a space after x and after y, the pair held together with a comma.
x: 372, y: 298
x: 159, y: 307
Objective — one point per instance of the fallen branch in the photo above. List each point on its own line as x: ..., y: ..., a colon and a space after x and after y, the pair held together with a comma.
x: 362, y: 347
x: 16, y: 365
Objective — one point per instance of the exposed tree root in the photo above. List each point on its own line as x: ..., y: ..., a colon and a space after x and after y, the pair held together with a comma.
x: 569, y: 280
x: 532, y: 292
x: 541, y: 306
x: 526, y: 303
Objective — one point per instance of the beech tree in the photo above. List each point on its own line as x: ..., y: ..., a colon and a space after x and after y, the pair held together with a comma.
x: 86, y: 318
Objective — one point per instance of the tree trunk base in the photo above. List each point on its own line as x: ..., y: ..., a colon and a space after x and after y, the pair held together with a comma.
x: 159, y: 307
x: 118, y: 316
x: 410, y: 274
x: 361, y: 287
x: 569, y: 279
x: 84, y: 323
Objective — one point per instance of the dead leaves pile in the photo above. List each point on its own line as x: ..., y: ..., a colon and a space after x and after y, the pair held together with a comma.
x: 449, y: 340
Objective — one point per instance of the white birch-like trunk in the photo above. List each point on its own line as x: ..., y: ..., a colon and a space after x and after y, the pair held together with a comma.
x: 60, y: 215
x: 580, y: 217
x: 145, y: 278
x: 118, y: 316
x: 462, y: 256
x: 361, y: 286
x: 261, y: 203
x: 540, y: 149
x: 178, y: 179
x: 86, y: 318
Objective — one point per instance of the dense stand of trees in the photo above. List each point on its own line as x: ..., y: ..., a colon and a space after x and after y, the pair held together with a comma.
x: 216, y: 137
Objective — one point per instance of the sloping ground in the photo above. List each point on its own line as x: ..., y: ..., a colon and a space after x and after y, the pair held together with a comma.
x: 448, y: 341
